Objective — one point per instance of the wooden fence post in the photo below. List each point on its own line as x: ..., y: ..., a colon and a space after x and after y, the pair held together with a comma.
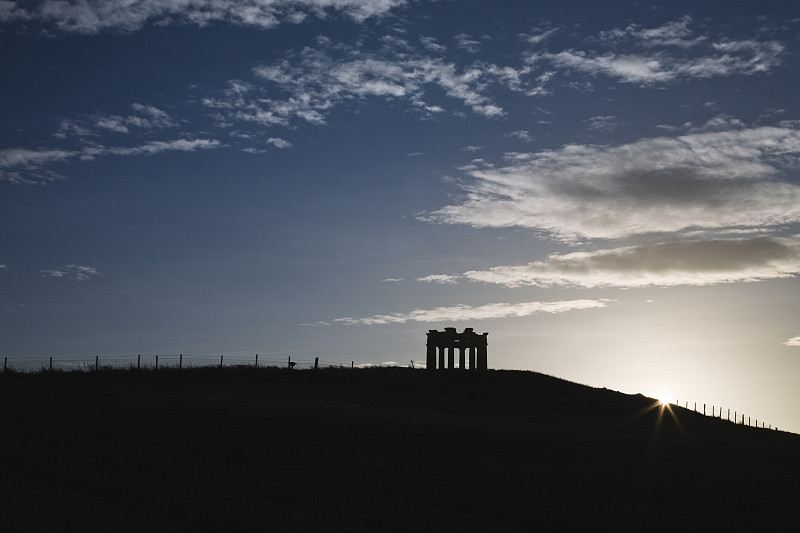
x: 139, y: 362
x: 51, y: 363
x: 156, y: 362
x: 220, y: 361
x: 351, y: 364
x: 5, y: 365
x: 256, y: 360
x: 704, y: 409
x: 180, y: 361
x: 316, y: 363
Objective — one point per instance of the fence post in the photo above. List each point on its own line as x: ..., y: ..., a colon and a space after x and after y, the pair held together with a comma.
x: 5, y: 365
x: 139, y: 362
x: 51, y: 363
x: 96, y: 362
x: 351, y: 364
x: 180, y: 361
x: 316, y: 363
x: 156, y: 362
x: 220, y: 361
x: 704, y: 409
x: 256, y: 360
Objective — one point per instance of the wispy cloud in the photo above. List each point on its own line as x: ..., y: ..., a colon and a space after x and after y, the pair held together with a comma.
x: 794, y: 341
x: 104, y: 15
x: 151, y: 148
x: 459, y: 313
x: 22, y: 166
x: 144, y: 117
x: 733, y: 180
x: 667, y: 264
x: 675, y: 33
x: 442, y: 279
x: 307, y: 85
x: 661, y: 55
x: 72, y: 272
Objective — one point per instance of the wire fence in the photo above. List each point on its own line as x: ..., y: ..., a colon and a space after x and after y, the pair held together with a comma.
x: 180, y: 361
x: 724, y: 413
x: 158, y: 361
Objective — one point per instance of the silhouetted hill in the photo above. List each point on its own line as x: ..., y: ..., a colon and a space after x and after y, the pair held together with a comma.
x: 375, y: 450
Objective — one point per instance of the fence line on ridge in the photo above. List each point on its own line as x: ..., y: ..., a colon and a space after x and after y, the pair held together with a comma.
x: 724, y: 414
x: 160, y: 361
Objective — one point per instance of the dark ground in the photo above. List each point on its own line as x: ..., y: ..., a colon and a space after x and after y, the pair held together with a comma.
x: 375, y: 450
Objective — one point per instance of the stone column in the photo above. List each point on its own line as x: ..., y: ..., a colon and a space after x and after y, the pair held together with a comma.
x: 471, y: 350
x: 451, y: 357
x: 462, y: 364
x: 431, y: 355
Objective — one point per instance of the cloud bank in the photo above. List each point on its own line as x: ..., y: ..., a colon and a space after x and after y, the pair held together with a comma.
x: 712, y: 181
x: 458, y: 313
x: 664, y: 265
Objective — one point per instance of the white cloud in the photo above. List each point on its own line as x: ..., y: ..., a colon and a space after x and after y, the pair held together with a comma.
x: 151, y: 148
x: 522, y: 135
x: 603, y: 123
x: 458, y: 313
x: 675, y: 33
x: 277, y: 142
x: 715, y: 181
x: 101, y: 15
x: 72, y: 272
x: 467, y: 43
x: 28, y: 167
x: 307, y: 85
x: 145, y: 117
x: 663, y: 265
x: 658, y: 55
x: 442, y: 279
x: 794, y: 341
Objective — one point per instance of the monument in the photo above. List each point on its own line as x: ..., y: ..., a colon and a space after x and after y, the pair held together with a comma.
x: 469, y: 344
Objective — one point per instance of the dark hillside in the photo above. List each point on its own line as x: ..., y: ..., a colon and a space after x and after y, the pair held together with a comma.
x: 375, y: 450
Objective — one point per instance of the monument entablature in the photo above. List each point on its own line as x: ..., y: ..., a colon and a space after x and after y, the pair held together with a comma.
x: 470, y: 345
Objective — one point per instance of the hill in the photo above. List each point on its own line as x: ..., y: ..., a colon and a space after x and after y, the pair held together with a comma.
x: 388, y: 449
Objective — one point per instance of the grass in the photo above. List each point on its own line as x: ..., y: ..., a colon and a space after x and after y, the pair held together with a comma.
x: 385, y: 449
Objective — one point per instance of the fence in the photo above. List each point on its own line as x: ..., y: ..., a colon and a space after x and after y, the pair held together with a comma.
x: 155, y: 362
x: 718, y: 412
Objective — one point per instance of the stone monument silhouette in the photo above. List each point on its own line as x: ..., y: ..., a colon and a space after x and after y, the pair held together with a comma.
x: 469, y: 344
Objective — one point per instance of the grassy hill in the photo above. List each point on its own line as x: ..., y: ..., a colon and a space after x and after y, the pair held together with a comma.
x: 388, y: 449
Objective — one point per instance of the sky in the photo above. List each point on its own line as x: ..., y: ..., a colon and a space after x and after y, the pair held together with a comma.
x: 611, y: 190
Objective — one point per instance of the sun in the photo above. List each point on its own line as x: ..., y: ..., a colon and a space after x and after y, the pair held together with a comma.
x: 664, y: 398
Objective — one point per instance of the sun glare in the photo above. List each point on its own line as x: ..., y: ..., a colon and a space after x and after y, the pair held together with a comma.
x: 664, y: 398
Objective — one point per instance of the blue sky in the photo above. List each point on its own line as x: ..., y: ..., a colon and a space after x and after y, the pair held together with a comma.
x: 611, y: 191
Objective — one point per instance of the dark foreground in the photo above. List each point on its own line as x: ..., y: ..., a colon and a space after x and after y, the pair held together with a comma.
x: 375, y: 450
